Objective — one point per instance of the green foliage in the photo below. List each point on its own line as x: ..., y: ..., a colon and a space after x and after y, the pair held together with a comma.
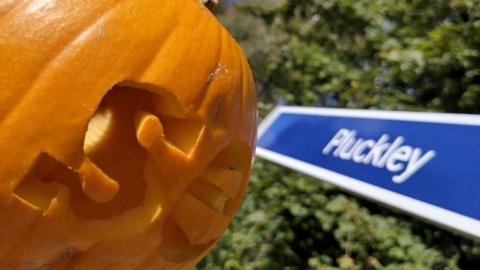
x: 413, y: 55
x: 405, y: 55
x: 291, y: 221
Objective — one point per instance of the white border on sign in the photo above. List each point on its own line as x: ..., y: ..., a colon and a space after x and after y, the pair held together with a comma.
x: 440, y: 216
x: 445, y: 118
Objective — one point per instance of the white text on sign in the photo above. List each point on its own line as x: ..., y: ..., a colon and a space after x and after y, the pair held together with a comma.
x: 397, y: 158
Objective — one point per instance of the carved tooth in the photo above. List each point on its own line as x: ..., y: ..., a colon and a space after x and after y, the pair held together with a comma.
x: 195, y: 218
x: 227, y: 180
x: 151, y: 136
x: 208, y: 194
x: 96, y: 184
x: 220, y: 226
x: 149, y: 129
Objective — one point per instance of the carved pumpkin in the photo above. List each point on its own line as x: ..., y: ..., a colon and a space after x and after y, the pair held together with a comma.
x: 126, y: 133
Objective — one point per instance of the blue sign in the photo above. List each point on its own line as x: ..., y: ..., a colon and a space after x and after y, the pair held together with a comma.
x: 427, y: 164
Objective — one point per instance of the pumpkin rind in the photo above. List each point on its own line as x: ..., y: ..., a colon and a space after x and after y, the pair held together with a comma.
x: 127, y: 130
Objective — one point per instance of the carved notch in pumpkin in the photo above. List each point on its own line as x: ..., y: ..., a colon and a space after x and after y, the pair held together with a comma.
x: 34, y: 188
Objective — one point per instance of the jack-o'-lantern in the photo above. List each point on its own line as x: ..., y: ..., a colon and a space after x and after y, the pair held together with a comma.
x: 126, y: 133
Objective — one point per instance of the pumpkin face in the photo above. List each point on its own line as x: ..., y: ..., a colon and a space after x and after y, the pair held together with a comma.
x: 126, y: 130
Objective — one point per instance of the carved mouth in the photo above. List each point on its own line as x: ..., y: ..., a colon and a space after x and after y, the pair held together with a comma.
x: 148, y: 155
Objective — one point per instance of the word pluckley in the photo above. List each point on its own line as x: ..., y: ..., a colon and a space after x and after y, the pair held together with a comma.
x: 396, y: 157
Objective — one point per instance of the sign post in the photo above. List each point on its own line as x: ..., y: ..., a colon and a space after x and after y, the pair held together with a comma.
x: 426, y: 164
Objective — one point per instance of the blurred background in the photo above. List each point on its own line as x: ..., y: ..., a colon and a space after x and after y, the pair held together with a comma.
x: 414, y: 55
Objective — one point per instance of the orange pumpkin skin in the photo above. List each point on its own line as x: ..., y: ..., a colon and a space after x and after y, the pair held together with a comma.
x: 127, y: 130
